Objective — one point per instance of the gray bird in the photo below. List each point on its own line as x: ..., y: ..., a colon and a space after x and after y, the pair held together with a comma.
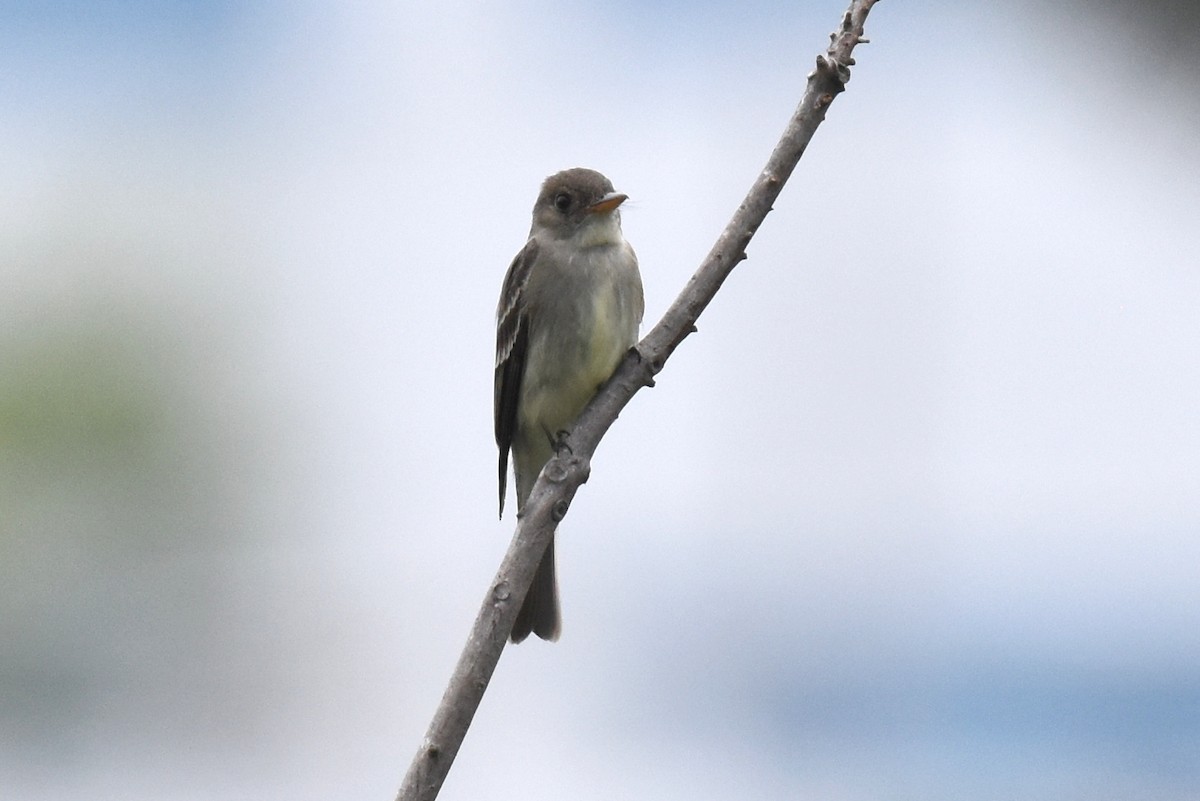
x: 569, y: 310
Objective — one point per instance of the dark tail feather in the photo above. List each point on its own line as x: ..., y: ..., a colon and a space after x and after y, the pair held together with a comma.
x: 539, y: 613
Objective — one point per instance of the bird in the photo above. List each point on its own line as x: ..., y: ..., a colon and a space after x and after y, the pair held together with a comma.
x: 570, y: 308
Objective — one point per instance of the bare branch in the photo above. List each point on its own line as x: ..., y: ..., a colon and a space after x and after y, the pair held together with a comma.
x: 560, y: 479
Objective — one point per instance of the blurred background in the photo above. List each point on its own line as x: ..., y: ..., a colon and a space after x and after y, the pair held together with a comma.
x: 915, y: 514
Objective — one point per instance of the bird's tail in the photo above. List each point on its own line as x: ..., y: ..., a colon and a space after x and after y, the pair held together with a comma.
x: 539, y: 613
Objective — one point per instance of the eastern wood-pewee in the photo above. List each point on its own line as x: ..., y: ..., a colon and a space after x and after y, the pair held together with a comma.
x: 569, y: 310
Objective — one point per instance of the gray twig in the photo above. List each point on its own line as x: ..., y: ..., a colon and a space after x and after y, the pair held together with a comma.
x: 551, y: 496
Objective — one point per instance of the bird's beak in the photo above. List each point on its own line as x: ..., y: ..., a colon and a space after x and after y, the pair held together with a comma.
x: 608, y: 202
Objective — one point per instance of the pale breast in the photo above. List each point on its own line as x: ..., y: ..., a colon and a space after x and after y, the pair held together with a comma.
x: 580, y: 336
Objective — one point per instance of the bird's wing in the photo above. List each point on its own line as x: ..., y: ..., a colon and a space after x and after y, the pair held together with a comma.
x: 512, y: 336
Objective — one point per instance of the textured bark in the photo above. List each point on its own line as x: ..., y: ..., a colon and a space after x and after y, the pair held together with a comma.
x: 560, y: 479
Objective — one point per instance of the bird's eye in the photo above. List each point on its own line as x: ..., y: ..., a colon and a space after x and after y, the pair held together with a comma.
x: 562, y: 202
